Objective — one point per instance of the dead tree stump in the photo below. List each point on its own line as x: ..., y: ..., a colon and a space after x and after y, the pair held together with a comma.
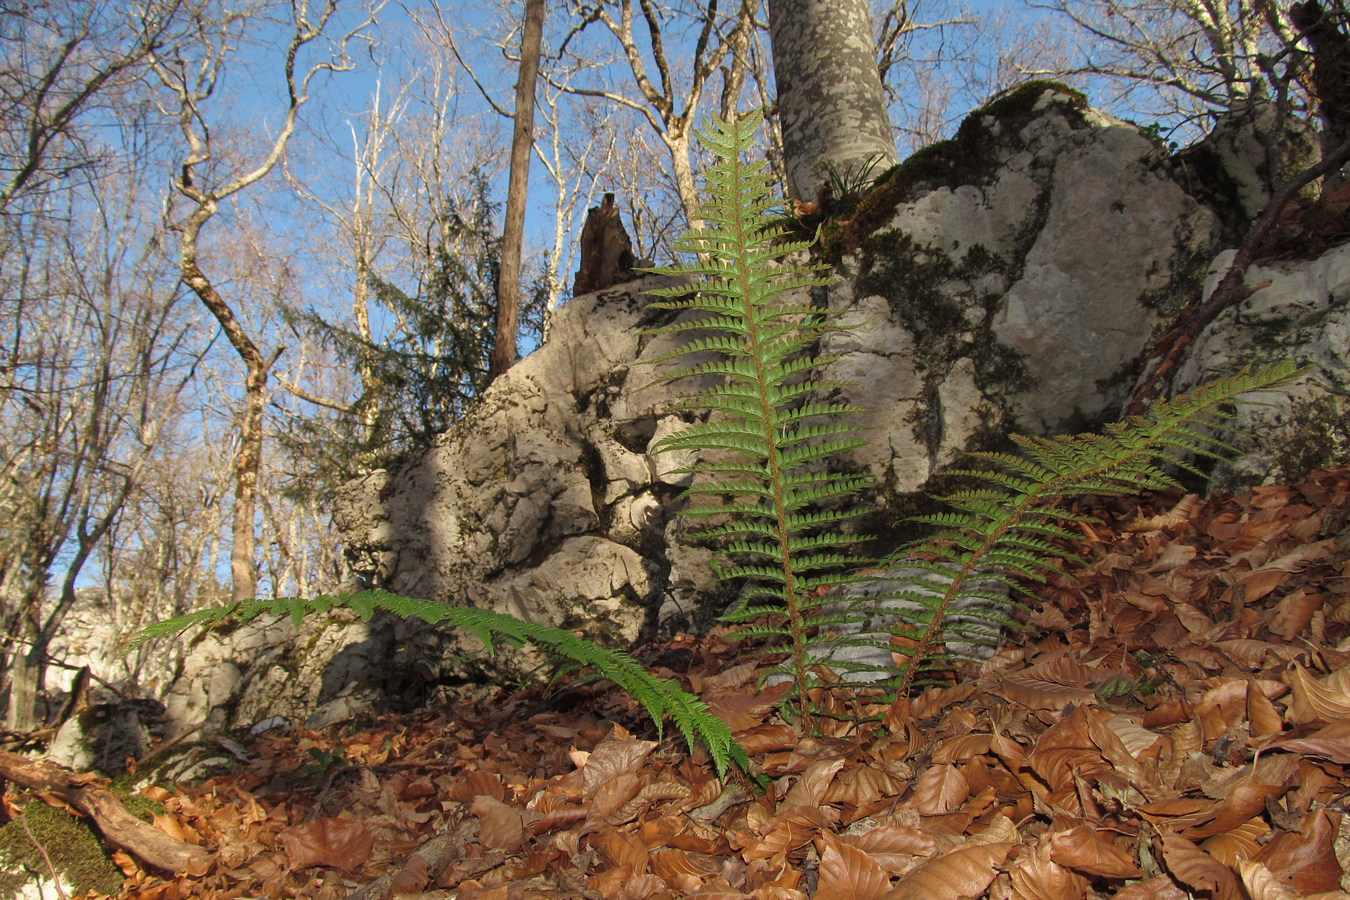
x: 606, y: 250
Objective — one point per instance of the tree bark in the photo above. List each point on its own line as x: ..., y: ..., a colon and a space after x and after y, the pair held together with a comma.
x: 1325, y: 30
x: 503, y: 354
x: 243, y: 573
x: 831, y: 108
x: 119, y: 827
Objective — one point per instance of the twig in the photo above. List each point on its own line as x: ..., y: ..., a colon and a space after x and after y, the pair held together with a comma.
x: 119, y: 827
x: 56, y: 879
x: 1167, y: 352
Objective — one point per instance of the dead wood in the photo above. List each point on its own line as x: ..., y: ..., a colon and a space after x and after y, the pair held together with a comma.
x: 119, y: 827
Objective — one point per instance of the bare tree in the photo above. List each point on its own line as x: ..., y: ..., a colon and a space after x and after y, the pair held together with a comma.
x: 189, y: 85
x: 99, y: 352
x: 668, y: 102
x: 59, y: 61
x: 1180, y: 61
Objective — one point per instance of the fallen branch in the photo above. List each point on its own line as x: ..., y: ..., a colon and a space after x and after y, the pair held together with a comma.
x: 119, y: 827
x: 1167, y: 352
x: 424, y: 866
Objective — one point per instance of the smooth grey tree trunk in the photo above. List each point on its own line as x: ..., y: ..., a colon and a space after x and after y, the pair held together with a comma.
x: 830, y: 103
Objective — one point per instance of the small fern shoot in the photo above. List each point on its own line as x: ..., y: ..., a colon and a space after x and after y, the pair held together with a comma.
x: 761, y: 486
x: 661, y: 697
x: 1004, y: 528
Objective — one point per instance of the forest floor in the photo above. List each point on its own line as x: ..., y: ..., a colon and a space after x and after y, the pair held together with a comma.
x: 1174, y: 722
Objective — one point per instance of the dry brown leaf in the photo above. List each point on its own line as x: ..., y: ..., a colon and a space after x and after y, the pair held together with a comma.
x: 1331, y: 742
x: 1245, y: 795
x: 792, y: 827
x: 625, y: 853
x: 848, y: 873
x: 1158, y: 888
x: 684, y: 872
x: 1260, y: 884
x: 1052, y: 685
x: 611, y: 797
x: 618, y: 754
x: 934, y: 700
x: 1306, y: 862
x: 343, y: 843
x: 1194, y: 867
x: 1295, y: 612
x: 767, y: 738
x: 1085, y: 850
x: 940, y: 790
x: 814, y: 783
x: 1262, y: 717
x: 1036, y: 876
x: 1067, y: 748
x: 501, y: 827
x: 960, y: 874
x: 1136, y: 739
x: 899, y: 839
x: 962, y: 748
x: 866, y: 791
x: 1326, y: 700
x: 1237, y: 844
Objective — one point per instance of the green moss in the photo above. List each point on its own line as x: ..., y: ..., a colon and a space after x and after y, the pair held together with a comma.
x: 963, y: 159
x: 73, y: 848
x: 1319, y: 439
x: 136, y: 803
x: 917, y: 284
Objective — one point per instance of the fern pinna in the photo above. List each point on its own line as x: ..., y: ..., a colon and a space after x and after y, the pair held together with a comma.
x: 661, y: 697
x: 761, y: 484
x: 1005, y: 529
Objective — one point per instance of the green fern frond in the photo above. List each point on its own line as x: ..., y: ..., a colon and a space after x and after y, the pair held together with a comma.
x: 1003, y: 527
x: 768, y: 495
x: 661, y: 697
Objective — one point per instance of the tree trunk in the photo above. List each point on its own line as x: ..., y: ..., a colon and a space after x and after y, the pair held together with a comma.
x: 244, y: 577
x: 508, y: 282
x: 685, y: 186
x: 831, y: 108
x: 1325, y: 29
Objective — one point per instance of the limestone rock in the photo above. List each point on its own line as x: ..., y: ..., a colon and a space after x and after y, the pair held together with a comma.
x: 1011, y: 285
x: 1299, y: 310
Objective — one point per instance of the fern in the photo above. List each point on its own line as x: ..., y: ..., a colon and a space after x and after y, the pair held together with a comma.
x: 763, y: 476
x: 765, y: 491
x: 1004, y: 529
x: 661, y: 697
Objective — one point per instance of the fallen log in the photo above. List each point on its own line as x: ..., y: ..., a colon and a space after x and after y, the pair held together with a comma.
x: 118, y: 827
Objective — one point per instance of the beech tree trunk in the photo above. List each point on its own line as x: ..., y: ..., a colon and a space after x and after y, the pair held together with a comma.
x: 503, y: 354
x: 831, y: 108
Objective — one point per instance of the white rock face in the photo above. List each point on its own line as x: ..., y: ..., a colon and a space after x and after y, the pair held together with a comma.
x: 1298, y: 310
x: 1017, y: 292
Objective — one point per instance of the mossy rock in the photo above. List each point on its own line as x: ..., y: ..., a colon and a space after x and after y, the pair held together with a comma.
x: 75, y: 851
x: 963, y: 159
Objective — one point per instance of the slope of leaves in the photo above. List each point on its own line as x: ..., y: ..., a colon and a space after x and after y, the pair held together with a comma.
x: 1177, y: 726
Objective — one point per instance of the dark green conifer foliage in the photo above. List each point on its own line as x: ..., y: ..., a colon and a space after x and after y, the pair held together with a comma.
x: 428, y: 360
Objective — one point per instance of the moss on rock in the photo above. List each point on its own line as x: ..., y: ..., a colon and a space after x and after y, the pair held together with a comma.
x: 963, y: 159
x: 74, y: 850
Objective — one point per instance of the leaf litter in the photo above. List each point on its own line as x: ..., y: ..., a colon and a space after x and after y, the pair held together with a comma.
x: 1174, y: 723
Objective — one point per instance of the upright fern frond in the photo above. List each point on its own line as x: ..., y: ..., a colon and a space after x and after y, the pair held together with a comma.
x: 661, y: 697
x: 1003, y: 530
x: 763, y: 484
